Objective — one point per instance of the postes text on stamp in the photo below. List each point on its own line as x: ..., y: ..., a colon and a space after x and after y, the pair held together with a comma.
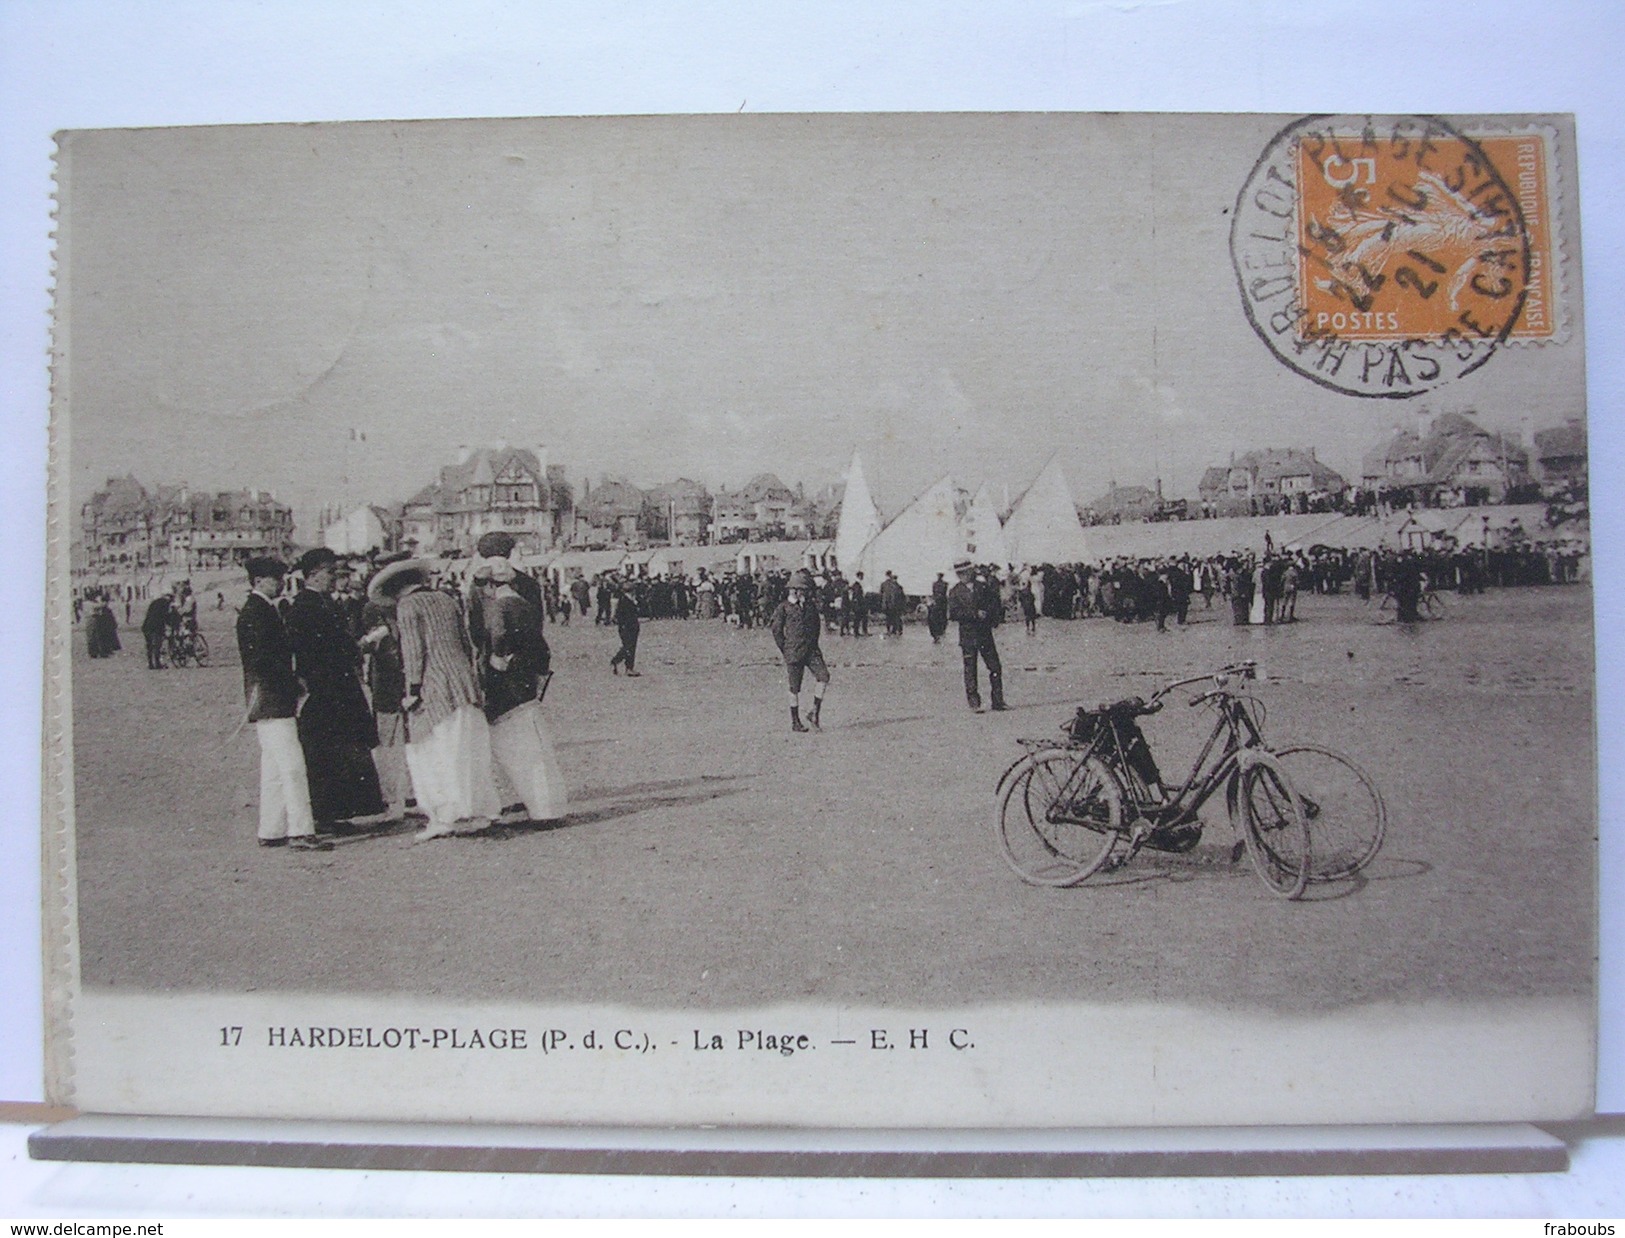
x: 1386, y: 256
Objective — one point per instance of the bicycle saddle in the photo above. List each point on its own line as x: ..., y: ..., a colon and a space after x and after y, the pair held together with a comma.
x: 1128, y: 705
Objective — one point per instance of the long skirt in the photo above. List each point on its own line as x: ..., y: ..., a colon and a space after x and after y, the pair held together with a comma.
x: 524, y: 753
x: 1257, y: 615
x: 451, y: 769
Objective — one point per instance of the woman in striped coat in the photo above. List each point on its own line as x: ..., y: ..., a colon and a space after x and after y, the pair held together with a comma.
x: 448, y: 747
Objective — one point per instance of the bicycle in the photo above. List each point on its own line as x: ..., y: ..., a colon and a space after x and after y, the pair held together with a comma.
x: 187, y: 645
x: 1073, y: 807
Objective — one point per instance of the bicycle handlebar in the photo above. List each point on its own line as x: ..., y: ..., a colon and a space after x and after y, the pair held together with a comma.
x: 1246, y: 670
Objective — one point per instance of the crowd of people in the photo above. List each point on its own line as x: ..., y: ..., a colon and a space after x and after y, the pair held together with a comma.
x: 407, y: 695
x: 386, y: 687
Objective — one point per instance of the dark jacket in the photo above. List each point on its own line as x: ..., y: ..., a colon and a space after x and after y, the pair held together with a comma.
x: 626, y: 613
x: 329, y: 665
x: 974, y: 606
x: 892, y: 598
x: 156, y: 621
x: 794, y: 628
x: 513, y: 630
x: 269, y: 685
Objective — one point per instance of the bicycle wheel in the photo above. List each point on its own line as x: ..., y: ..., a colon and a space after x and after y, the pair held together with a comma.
x: 200, y: 649
x: 1347, y: 818
x: 1060, y: 818
x: 178, y: 653
x: 1273, y: 824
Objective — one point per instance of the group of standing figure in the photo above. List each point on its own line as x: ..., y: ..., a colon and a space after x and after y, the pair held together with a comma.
x: 973, y: 603
x: 454, y: 711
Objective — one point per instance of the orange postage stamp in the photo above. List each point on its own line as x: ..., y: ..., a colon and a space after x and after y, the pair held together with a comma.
x: 1385, y: 256
x: 1409, y: 234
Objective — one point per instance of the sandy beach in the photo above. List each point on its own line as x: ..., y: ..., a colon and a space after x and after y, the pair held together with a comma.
x: 712, y: 858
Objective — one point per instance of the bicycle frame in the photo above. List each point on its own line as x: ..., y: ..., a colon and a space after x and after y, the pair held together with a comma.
x: 1210, y: 771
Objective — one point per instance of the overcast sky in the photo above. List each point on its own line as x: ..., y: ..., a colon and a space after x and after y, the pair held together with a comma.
x: 709, y: 297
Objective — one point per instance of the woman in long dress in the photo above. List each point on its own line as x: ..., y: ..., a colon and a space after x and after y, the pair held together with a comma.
x: 514, y: 665
x: 102, y: 629
x: 386, y: 685
x: 448, y: 747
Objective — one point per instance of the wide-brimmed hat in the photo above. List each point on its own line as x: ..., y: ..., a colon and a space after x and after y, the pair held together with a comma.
x: 495, y: 569
x: 964, y: 565
x: 392, y: 579
x: 799, y: 579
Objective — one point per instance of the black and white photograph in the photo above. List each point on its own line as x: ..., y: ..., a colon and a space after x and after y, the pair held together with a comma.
x: 958, y: 620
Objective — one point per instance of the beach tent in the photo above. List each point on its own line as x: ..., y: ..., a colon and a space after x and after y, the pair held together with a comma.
x: 584, y: 564
x: 1043, y: 526
x: 924, y: 539
x: 860, y: 519
x: 981, y: 532
x: 781, y: 556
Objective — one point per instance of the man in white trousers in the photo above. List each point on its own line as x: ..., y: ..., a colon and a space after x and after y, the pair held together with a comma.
x: 271, y: 690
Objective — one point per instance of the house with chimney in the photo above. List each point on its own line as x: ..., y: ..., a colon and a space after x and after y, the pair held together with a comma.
x: 1453, y: 461
x: 763, y: 509
x: 678, y: 512
x: 1561, y: 453
x: 1269, y: 480
x: 609, y: 514
x: 487, y: 490
x: 174, y: 530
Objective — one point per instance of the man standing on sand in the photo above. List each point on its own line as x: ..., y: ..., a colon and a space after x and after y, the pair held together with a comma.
x: 974, y: 605
x: 892, y: 602
x: 272, y: 691
x: 936, y: 615
x: 155, y: 626
x: 858, y: 604
x: 627, y: 625
x: 795, y: 625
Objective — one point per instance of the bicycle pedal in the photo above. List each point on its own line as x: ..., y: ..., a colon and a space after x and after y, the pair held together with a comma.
x: 1177, y: 839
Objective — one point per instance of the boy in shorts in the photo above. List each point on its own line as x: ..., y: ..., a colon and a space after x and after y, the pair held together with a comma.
x: 795, y: 626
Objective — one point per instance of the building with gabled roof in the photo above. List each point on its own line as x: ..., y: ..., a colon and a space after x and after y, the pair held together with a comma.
x: 609, y: 514
x: 1274, y: 478
x: 1455, y: 459
x: 174, y: 530
x: 764, y: 508
x: 1563, y: 454
x: 1124, y: 503
x: 678, y: 512
x: 498, y: 489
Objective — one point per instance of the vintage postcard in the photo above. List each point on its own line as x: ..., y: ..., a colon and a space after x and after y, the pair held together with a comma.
x: 953, y: 620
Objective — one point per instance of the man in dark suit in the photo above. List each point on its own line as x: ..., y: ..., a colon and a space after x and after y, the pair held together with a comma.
x: 974, y: 605
x: 626, y: 624
x: 154, y: 627
x: 271, y: 690
x: 892, y: 602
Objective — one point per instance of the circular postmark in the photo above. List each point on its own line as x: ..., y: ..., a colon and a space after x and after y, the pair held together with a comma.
x: 1379, y: 256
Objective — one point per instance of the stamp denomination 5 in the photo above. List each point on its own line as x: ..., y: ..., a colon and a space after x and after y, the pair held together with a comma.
x: 1385, y: 256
